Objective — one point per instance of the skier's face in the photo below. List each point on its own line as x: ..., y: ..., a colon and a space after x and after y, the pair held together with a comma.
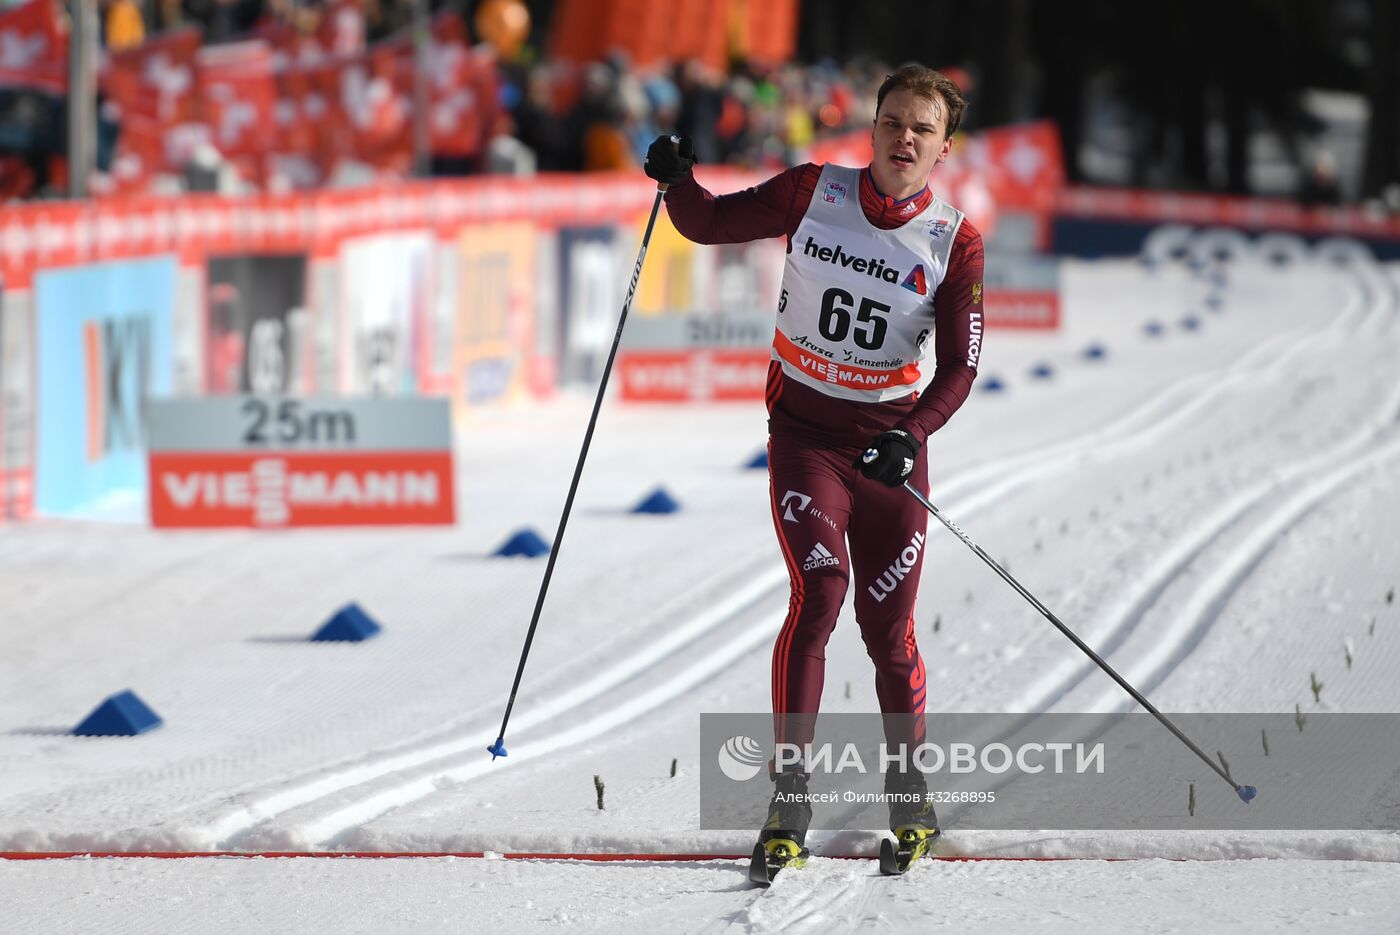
x: 910, y: 139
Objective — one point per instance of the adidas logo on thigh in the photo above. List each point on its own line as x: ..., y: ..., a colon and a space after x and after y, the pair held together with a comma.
x: 819, y: 558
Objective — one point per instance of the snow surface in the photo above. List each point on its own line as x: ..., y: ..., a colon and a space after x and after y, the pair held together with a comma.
x: 1214, y: 508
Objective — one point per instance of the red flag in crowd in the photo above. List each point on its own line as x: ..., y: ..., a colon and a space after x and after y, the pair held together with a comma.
x: 1022, y: 163
x: 239, y: 96
x: 153, y: 91
x: 156, y: 78
x: 377, y: 109
x: 377, y: 97
x: 310, y: 99
x: 309, y: 118
x: 463, y: 90
x: 34, y: 47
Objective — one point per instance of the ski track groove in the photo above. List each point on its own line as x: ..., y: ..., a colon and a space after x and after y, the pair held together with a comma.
x: 1188, y: 629
x: 1156, y: 418
x: 1131, y: 610
x: 1016, y: 470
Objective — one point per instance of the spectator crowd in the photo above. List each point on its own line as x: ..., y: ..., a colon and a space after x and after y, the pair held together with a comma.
x: 549, y: 116
x: 601, y: 116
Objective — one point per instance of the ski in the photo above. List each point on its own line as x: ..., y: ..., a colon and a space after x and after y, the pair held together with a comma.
x: 913, y: 843
x: 774, y: 855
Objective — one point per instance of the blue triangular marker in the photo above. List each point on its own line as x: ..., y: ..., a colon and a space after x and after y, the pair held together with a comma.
x: 526, y: 542
x: 758, y: 462
x: 991, y: 385
x: 122, y: 715
x: 658, y: 501
x: 349, y: 625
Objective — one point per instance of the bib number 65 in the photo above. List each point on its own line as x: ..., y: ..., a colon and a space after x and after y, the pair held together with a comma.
x: 835, y: 321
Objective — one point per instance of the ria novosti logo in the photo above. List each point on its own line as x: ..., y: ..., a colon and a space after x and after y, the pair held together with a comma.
x: 740, y: 758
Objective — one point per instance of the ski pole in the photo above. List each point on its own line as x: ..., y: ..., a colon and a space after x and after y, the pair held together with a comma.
x: 1244, y: 792
x: 499, y: 747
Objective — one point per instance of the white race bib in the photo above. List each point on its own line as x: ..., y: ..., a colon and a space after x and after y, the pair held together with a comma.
x: 856, y: 312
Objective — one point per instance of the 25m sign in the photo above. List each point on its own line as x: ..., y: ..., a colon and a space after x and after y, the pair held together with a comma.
x: 281, y: 461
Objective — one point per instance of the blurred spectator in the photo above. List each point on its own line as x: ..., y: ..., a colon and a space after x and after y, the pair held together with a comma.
x: 1320, y: 186
x: 537, y: 123
x: 594, y: 125
x: 123, y: 25
x: 702, y: 103
x: 168, y: 14
x: 224, y: 20
x: 31, y: 132
x: 663, y: 107
x: 606, y: 147
x: 383, y: 18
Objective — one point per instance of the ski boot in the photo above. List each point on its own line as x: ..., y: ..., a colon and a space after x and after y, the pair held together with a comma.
x: 913, y: 821
x: 780, y: 842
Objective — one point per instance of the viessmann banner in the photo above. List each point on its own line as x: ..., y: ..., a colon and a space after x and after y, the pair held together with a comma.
x: 270, y: 462
x: 685, y: 358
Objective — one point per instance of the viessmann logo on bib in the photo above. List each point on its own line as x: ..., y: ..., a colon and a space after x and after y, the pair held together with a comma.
x: 870, y: 266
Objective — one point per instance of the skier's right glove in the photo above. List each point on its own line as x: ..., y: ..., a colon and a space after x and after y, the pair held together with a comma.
x: 669, y: 159
x: 889, y: 458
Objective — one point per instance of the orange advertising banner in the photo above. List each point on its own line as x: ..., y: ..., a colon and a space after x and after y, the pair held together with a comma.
x: 847, y: 375
x: 204, y: 489
x: 1012, y: 308
x: 495, y: 319
x: 693, y: 375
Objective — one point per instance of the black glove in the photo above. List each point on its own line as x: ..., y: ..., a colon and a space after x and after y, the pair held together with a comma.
x: 669, y: 159
x: 889, y: 458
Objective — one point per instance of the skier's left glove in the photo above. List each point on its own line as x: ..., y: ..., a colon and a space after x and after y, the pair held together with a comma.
x: 889, y: 458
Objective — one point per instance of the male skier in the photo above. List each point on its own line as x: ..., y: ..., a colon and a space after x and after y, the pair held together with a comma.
x: 877, y: 266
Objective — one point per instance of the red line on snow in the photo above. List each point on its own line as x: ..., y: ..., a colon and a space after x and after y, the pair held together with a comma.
x: 524, y: 855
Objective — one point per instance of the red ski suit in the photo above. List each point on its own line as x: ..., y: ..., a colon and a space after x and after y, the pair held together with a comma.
x: 820, y: 501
